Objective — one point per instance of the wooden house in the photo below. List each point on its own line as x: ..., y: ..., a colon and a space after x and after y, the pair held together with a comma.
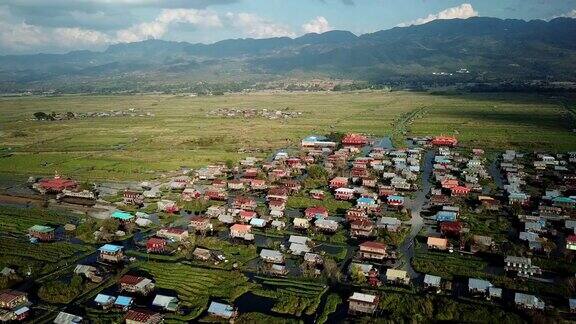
x: 339, y: 182
x: 362, y: 228
x: 397, y: 276
x: 460, y: 191
x: 236, y: 184
x: 173, y: 233
x: 371, y: 250
x: 444, y: 141
x: 362, y: 303
x: 136, y: 285
x: 245, y: 203
x: 451, y: 228
x: 200, y: 224
x: 271, y: 256
x: 436, y: 243
x: 143, y: 316
x: 316, y: 212
x: 132, y: 198
x: 354, y: 140
x: 42, y: 233
x: 258, y: 184
x: 241, y: 231
x: 11, y: 299
x: 156, y: 245
x: 301, y: 223
x: 202, y: 254
x: 344, y: 194
x: 111, y: 253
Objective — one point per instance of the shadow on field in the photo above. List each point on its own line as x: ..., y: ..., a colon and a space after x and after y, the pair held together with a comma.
x: 542, y: 119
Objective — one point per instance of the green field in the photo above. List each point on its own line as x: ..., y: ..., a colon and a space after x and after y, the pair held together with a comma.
x: 15, y: 220
x: 196, y: 286
x: 181, y: 133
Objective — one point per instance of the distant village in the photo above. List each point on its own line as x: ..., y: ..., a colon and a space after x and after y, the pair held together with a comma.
x: 398, y: 215
x: 253, y: 113
x: 69, y: 115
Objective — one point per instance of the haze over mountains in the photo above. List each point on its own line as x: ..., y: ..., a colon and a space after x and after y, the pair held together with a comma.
x: 490, y: 48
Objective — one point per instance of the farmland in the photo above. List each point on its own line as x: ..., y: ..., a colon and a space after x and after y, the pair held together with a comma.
x: 181, y: 132
x: 195, y: 286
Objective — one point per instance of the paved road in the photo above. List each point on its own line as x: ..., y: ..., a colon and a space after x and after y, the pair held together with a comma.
x: 416, y: 222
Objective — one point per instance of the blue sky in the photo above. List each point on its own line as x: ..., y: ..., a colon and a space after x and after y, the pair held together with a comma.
x: 55, y: 26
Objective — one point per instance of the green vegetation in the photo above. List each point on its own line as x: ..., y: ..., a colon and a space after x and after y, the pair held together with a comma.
x: 17, y: 220
x: 394, y: 238
x: 402, y: 307
x: 293, y: 297
x: 181, y: 133
x: 58, y: 292
x: 332, y: 302
x: 447, y: 265
x: 494, y: 224
x: 39, y: 258
x: 233, y: 252
x: 263, y: 318
x: 195, y: 286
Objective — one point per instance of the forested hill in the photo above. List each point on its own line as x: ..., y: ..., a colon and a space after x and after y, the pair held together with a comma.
x: 475, y: 49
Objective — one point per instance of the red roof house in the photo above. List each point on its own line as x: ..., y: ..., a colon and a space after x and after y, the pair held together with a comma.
x: 451, y: 228
x: 460, y: 191
x: 315, y: 211
x: 450, y: 183
x: 155, y: 244
x: 247, y: 215
x: 143, y: 316
x: 373, y: 250
x: 444, y: 141
x: 339, y: 182
x: 354, y: 140
x: 55, y: 185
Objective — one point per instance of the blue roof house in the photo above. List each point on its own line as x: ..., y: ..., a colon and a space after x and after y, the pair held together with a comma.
x: 122, y: 216
x: 111, y: 253
x: 445, y: 216
x: 123, y: 302
x: 221, y: 310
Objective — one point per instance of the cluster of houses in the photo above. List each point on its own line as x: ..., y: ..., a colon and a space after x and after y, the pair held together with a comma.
x: 543, y: 189
x: 253, y: 113
x: 376, y: 181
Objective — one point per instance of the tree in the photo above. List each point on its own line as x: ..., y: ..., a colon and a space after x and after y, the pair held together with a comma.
x: 110, y: 225
x: 331, y: 270
x: 317, y: 172
x: 42, y: 116
x: 357, y: 275
x: 548, y: 247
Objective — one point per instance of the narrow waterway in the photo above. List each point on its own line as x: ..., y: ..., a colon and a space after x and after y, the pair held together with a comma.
x: 416, y: 222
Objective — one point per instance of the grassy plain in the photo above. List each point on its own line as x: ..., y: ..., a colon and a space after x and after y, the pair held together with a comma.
x: 181, y: 133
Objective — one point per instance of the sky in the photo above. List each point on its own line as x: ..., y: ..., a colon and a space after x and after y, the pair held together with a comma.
x: 59, y: 26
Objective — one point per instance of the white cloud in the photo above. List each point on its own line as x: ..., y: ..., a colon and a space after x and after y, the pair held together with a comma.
x: 462, y: 11
x: 317, y: 25
x: 80, y: 37
x: 159, y: 26
x: 23, y: 37
x: 255, y: 26
x: 19, y: 36
x: 569, y: 14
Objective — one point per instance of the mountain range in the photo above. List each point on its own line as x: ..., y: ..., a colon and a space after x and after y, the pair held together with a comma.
x: 479, y: 48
